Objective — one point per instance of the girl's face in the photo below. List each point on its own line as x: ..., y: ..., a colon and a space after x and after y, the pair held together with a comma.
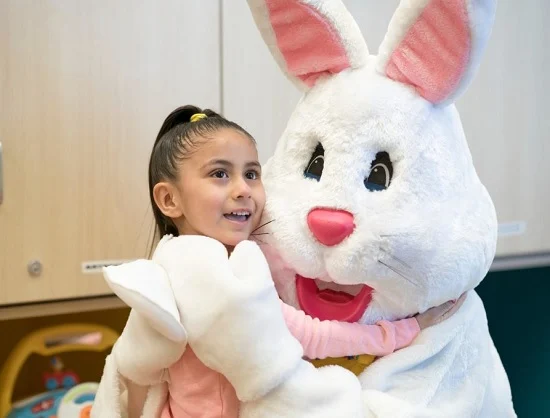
x: 218, y: 192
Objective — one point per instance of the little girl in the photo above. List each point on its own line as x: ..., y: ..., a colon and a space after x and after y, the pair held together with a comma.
x: 205, y: 179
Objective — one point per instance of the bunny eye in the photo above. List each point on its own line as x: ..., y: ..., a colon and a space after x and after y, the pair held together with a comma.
x: 381, y: 173
x: 316, y: 163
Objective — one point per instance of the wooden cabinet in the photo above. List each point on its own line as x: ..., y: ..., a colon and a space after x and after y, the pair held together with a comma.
x: 504, y: 112
x: 84, y: 88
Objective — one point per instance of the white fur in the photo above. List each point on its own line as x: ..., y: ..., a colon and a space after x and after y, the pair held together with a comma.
x: 428, y: 238
x: 481, y: 14
x: 328, y: 392
x: 230, y: 311
x: 466, y: 377
x: 149, y: 292
x: 404, y: 17
x: 141, y: 355
x: 334, y: 12
x: 112, y: 396
x: 451, y: 370
x: 436, y: 216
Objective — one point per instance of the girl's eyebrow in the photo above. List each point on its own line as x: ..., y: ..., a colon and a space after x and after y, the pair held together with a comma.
x: 226, y: 163
x: 254, y: 164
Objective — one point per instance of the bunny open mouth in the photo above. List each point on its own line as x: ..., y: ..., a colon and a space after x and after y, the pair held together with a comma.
x: 332, y: 304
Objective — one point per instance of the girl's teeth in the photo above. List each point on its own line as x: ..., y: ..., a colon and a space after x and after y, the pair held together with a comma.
x: 236, y: 217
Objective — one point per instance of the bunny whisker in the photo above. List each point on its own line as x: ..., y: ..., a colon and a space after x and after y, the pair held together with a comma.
x: 398, y: 234
x: 398, y: 272
x: 255, y: 238
x: 399, y: 260
x: 262, y: 225
x: 261, y: 233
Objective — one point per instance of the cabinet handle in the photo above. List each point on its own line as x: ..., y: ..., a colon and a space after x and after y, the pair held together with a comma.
x: 1, y: 176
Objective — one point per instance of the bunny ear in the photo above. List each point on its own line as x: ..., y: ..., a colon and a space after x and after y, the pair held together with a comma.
x: 310, y: 38
x: 436, y: 45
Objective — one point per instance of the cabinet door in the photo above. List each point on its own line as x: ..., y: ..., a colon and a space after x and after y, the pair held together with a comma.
x: 255, y: 93
x: 505, y: 117
x: 503, y: 112
x: 84, y: 88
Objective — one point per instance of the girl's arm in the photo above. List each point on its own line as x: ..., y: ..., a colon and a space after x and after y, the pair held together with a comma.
x: 136, y: 398
x: 322, y: 339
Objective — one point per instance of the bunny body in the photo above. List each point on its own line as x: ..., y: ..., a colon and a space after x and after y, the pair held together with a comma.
x: 377, y: 149
x: 435, y: 225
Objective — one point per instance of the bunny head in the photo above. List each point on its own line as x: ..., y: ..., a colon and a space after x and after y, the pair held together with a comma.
x: 374, y: 208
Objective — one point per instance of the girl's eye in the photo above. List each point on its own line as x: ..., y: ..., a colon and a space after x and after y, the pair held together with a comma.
x: 252, y: 175
x: 220, y: 174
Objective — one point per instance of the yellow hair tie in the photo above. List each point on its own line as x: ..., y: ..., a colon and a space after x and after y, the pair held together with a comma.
x: 197, y: 116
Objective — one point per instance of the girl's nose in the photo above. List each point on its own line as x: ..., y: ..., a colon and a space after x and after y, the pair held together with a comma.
x: 242, y: 189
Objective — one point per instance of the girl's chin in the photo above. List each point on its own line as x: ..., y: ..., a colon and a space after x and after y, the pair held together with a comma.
x: 231, y: 242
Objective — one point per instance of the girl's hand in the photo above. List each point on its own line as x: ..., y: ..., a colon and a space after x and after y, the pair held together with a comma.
x: 439, y: 313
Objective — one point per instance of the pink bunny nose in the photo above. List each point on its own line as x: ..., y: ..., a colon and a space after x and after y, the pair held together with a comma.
x: 330, y: 226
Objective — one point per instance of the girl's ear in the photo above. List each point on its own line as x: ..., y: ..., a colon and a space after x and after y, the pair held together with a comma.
x: 167, y: 199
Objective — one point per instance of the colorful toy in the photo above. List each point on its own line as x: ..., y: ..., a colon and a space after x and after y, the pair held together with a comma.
x: 64, y: 394
x: 77, y: 402
x: 59, y: 378
x: 44, y: 405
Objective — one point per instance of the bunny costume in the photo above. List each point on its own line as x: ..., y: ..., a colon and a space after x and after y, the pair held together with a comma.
x: 374, y: 212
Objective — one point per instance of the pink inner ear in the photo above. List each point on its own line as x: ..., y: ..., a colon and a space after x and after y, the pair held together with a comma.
x: 308, y: 43
x: 435, y: 52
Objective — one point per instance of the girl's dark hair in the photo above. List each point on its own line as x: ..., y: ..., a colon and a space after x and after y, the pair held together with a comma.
x: 175, y: 141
